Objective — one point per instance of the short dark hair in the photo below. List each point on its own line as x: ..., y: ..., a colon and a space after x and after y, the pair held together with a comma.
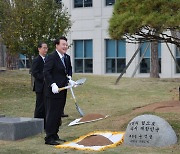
x: 56, y: 42
x: 41, y: 43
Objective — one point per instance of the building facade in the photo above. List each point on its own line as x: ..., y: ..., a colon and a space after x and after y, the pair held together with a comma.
x: 93, y: 51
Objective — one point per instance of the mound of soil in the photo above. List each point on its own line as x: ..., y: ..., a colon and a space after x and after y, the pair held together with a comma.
x: 95, y: 140
x: 166, y: 106
x: 158, y: 107
x: 90, y: 117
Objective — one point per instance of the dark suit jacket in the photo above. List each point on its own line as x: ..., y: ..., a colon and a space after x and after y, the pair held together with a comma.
x: 37, y: 72
x: 55, y: 72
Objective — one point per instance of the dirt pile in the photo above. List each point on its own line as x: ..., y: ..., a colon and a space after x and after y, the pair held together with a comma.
x: 95, y: 140
x: 172, y: 106
x: 90, y: 117
x: 166, y: 106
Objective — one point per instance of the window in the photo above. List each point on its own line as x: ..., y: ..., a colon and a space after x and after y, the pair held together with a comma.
x: 177, y: 59
x: 82, y: 3
x: 23, y: 61
x: 83, y: 56
x: 110, y: 2
x: 115, y: 56
x: 145, y: 63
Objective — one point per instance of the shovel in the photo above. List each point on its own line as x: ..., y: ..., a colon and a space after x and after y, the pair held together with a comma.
x: 77, y: 107
x: 78, y: 83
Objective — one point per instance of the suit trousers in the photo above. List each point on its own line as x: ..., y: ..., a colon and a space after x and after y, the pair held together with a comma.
x: 40, y: 105
x: 54, y: 110
x: 40, y: 109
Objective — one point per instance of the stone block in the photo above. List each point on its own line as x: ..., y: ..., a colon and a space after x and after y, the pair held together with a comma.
x: 149, y: 131
x: 2, y: 115
x: 19, y: 128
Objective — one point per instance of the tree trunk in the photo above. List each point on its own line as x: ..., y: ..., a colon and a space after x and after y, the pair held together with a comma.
x: 154, y: 72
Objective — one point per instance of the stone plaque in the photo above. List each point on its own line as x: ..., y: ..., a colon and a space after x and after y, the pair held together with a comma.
x: 149, y: 130
x: 19, y: 128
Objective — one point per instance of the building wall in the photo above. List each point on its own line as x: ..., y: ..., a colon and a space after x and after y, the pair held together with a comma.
x: 92, y: 23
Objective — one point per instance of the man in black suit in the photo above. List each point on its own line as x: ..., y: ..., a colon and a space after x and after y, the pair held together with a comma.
x: 37, y: 72
x: 57, y: 72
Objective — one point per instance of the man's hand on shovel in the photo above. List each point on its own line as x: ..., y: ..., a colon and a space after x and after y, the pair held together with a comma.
x: 63, y: 88
x: 73, y: 83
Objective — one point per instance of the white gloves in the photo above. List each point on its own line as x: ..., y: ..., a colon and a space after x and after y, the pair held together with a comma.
x: 55, y: 88
x: 71, y: 82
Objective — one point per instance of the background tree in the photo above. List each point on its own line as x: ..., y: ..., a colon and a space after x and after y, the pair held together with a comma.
x: 146, y: 20
x: 23, y: 23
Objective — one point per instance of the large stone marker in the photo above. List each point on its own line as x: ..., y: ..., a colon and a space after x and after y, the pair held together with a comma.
x: 149, y: 130
x: 2, y: 115
x: 19, y: 128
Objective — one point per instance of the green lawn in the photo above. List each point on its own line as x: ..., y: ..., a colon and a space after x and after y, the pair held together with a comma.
x: 97, y: 95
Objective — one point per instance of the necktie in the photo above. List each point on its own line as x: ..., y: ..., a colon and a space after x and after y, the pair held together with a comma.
x: 62, y: 59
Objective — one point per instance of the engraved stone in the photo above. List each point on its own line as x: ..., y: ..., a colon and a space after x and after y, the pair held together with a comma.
x: 149, y: 130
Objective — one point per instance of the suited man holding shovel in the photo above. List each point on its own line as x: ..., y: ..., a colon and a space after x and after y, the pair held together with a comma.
x: 57, y: 72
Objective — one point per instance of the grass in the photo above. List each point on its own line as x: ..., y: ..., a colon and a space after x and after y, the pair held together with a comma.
x: 98, y: 95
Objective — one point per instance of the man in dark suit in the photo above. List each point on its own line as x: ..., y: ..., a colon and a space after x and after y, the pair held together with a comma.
x: 37, y: 72
x: 57, y: 72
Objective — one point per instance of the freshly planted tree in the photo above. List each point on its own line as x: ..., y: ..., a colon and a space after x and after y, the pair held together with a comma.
x: 23, y: 23
x: 146, y: 20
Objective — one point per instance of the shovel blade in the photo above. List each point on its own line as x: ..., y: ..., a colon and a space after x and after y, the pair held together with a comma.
x: 81, y: 81
x: 79, y: 110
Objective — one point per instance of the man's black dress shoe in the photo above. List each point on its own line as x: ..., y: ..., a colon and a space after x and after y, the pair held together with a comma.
x: 64, y: 115
x: 52, y: 142
x: 60, y: 140
x: 56, y: 138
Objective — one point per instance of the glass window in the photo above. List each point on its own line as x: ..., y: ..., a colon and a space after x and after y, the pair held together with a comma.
x: 23, y: 61
x: 121, y: 64
x: 110, y: 48
x: 110, y: 65
x: 88, y: 48
x: 159, y: 56
x: 87, y: 3
x: 148, y: 51
x: 121, y: 51
x: 82, y: 3
x: 115, y: 55
x: 83, y: 56
x: 145, y: 65
x: 79, y: 65
x: 79, y: 49
x: 88, y: 66
x: 78, y: 3
x: 146, y: 61
x: 177, y: 59
x: 110, y: 2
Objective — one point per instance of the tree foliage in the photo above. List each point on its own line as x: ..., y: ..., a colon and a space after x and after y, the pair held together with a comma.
x: 140, y: 20
x: 23, y: 23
